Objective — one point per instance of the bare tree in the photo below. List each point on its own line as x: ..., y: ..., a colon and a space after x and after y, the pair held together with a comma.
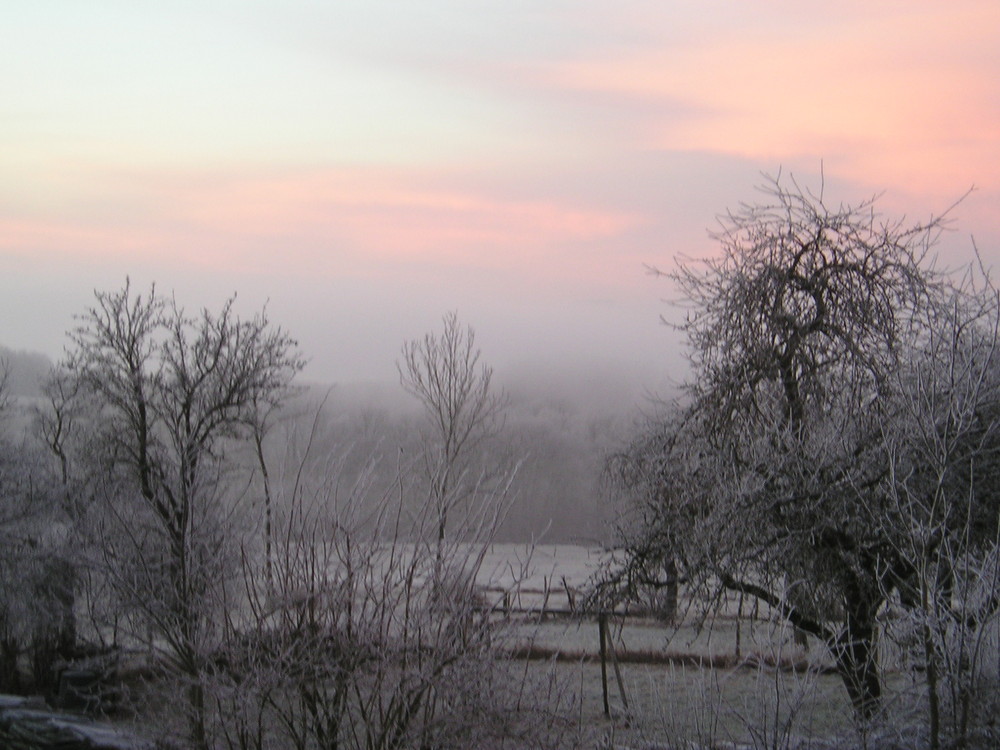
x: 4, y: 387
x: 445, y: 374
x: 16, y: 513
x: 262, y: 417
x: 35, y: 616
x: 638, y: 476
x: 169, y: 394
x: 944, y: 446
x: 772, y: 471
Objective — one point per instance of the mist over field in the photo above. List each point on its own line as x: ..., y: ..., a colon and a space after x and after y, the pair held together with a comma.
x: 556, y: 430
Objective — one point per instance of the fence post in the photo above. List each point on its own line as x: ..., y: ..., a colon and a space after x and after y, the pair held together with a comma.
x: 618, y: 674
x: 602, y: 626
x: 545, y: 597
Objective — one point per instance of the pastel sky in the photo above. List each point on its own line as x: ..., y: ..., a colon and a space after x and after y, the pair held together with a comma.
x: 364, y: 166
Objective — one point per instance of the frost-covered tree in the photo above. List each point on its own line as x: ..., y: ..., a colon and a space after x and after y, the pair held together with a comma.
x: 773, y: 476
x: 463, y: 408
x: 162, y: 400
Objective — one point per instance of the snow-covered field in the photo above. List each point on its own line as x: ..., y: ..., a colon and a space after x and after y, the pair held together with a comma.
x: 537, y: 574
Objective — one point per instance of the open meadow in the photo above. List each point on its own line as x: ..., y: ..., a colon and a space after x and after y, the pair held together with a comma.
x: 737, y: 676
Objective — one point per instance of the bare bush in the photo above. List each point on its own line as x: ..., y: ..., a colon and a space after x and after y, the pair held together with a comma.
x: 373, y: 633
x: 944, y: 447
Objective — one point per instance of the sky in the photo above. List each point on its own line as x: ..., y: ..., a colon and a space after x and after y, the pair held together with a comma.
x: 362, y: 166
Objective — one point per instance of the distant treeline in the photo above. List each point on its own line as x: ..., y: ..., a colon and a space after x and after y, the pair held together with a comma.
x: 558, y: 438
x: 25, y: 371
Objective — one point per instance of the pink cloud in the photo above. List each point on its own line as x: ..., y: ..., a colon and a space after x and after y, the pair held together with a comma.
x: 60, y: 237
x: 903, y: 96
x: 336, y: 221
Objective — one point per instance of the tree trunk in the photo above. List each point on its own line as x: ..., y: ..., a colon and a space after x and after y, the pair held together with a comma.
x: 856, y: 654
x: 668, y: 604
x: 196, y: 701
x: 933, y: 700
